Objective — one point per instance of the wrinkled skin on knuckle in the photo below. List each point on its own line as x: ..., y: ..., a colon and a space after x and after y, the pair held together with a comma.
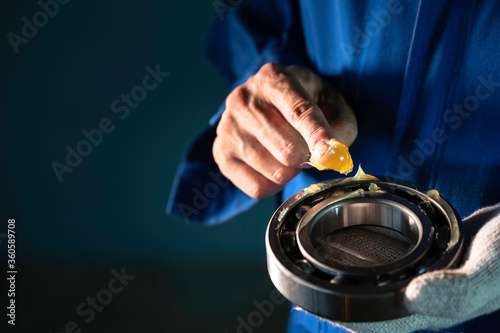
x: 306, y: 122
x: 272, y: 77
x: 239, y: 142
x: 281, y: 82
x: 255, y: 104
x: 281, y: 176
x: 290, y: 156
x: 244, y: 107
x: 301, y: 110
x: 258, y: 191
x: 315, y: 131
x: 270, y: 70
x: 238, y: 98
x: 255, y: 192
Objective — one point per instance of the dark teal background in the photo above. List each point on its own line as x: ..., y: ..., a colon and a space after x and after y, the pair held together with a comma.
x: 109, y: 212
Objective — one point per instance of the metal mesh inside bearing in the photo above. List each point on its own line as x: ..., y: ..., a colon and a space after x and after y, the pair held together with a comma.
x: 364, y: 246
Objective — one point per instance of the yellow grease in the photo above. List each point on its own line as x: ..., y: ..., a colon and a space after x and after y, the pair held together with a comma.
x: 336, y: 157
x: 455, y: 235
x: 312, y: 189
x: 434, y: 194
x: 282, y: 214
x: 361, y: 175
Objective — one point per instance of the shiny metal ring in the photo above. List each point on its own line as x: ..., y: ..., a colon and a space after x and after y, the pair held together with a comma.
x: 318, y: 283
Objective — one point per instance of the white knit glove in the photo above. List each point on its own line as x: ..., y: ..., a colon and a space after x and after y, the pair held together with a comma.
x: 449, y: 297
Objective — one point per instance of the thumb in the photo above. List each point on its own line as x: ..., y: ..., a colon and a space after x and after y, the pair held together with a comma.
x: 468, y: 291
x: 439, y: 293
x: 474, y: 222
x: 337, y: 112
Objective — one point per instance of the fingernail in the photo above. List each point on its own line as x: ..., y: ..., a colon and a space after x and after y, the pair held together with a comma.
x: 320, y: 149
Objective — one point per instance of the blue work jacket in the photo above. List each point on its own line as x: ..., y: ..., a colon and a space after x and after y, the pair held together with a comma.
x: 423, y: 78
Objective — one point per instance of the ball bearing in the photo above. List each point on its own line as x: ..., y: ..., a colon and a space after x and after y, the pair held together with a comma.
x: 347, y: 250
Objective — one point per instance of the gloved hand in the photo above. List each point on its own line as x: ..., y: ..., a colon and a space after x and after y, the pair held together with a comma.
x: 449, y: 297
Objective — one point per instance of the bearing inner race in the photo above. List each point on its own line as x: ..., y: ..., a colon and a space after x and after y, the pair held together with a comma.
x: 318, y: 228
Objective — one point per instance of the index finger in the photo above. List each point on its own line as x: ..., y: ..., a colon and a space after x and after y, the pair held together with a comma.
x: 283, y: 90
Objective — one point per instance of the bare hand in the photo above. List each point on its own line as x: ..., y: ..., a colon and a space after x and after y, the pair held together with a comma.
x: 271, y: 124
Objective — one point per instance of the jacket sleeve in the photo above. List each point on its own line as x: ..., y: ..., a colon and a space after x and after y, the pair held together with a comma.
x: 245, y: 36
